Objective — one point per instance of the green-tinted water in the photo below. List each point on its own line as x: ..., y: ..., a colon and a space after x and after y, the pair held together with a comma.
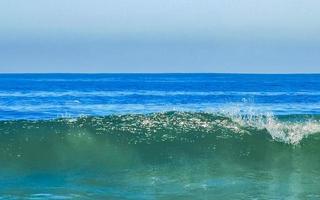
x: 173, y: 155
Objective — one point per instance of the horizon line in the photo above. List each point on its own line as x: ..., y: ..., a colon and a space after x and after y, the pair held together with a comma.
x: 235, y: 73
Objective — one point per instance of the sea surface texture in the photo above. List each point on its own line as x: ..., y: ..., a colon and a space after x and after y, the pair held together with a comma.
x: 159, y: 136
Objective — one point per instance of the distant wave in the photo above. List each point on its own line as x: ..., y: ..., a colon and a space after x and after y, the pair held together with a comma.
x: 149, y: 93
x: 77, y: 108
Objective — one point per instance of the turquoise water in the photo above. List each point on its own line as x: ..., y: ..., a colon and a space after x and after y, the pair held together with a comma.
x: 169, y: 136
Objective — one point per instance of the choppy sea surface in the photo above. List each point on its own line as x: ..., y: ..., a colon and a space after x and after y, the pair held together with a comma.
x: 159, y: 136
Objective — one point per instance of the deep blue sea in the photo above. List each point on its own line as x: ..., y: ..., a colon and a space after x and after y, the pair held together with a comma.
x: 49, y: 96
x: 159, y: 136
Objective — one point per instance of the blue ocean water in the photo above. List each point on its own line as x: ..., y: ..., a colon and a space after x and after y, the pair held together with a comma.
x: 159, y: 136
x: 48, y: 96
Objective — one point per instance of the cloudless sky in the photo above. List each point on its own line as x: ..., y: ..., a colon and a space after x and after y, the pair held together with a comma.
x: 255, y: 36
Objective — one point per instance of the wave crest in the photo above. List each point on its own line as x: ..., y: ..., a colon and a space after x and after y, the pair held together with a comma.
x: 175, y: 126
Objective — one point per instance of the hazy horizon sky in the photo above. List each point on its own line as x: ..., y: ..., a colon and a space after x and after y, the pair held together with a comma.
x: 247, y: 36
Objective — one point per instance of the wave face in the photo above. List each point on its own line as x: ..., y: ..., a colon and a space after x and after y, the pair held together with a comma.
x: 21, y: 138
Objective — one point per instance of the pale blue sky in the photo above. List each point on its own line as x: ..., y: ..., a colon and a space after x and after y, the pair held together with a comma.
x: 257, y: 36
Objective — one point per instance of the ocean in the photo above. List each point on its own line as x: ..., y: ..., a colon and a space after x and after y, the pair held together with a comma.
x: 159, y: 136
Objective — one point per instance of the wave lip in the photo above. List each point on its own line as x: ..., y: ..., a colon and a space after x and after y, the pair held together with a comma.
x: 292, y: 130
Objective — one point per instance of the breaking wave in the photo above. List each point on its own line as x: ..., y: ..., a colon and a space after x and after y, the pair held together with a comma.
x: 173, y: 126
x: 120, y: 141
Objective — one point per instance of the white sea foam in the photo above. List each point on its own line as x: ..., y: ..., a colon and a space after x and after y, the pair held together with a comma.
x: 288, y: 131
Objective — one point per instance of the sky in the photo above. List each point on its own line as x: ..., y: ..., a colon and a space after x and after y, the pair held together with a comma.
x: 101, y: 36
